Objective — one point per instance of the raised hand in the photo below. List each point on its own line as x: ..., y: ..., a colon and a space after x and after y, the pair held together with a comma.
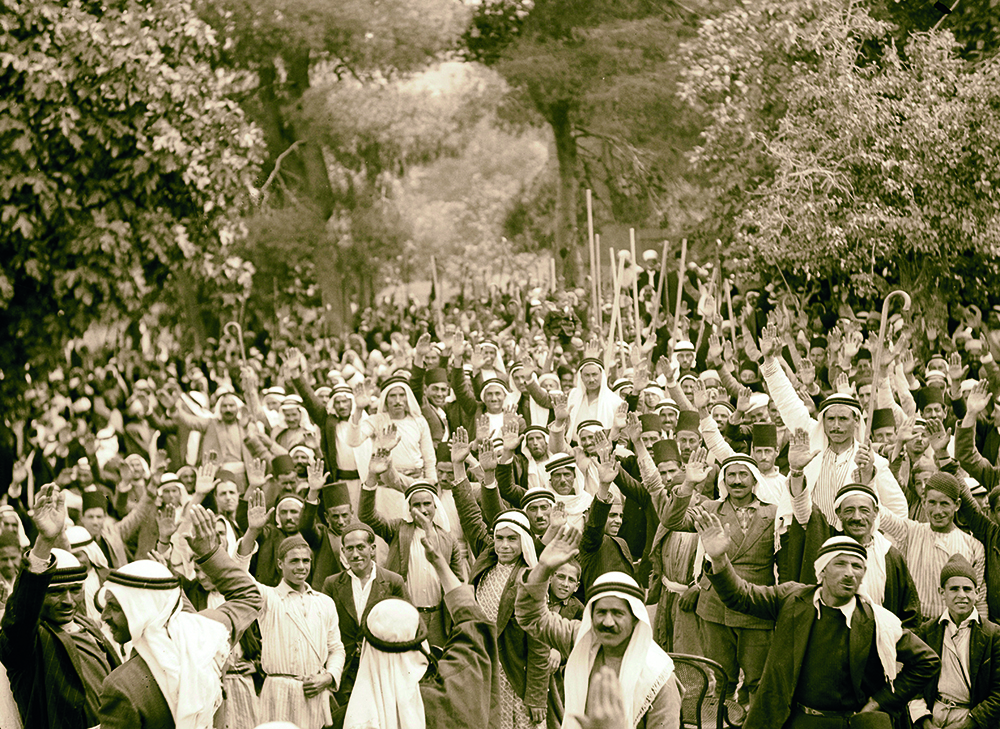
x: 834, y: 340
x: 938, y: 436
x: 249, y: 380
x: 483, y: 429
x: 511, y: 436
x: 807, y: 372
x: 666, y: 368
x: 728, y: 355
x: 488, y: 456
x: 799, y: 453
x: 363, y: 394
x: 593, y: 349
x: 633, y: 428
x: 559, y: 407
x: 979, y: 397
x: 607, y: 465
x: 563, y: 547
x: 843, y: 384
x: 602, y: 445
x: 621, y: 413
x: 456, y: 345
x: 49, y: 514
x: 702, y: 398
x: 205, y: 480
x: 379, y: 462
x: 715, y: 349
x: 294, y: 363
x: 316, y: 474
x: 479, y: 359
x: 714, y: 537
x: 770, y: 343
x: 640, y: 376
x: 852, y: 343
x: 956, y: 372
x: 697, y: 468
x: 166, y: 521
x: 257, y: 472
x: 743, y: 400
x: 460, y: 446
x: 203, y: 537
x: 258, y: 514
x: 386, y: 438
x: 423, y: 348
x: 908, y: 361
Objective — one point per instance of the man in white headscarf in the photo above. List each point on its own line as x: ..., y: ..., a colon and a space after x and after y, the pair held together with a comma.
x: 85, y: 549
x: 614, y: 631
x: 835, y: 436
x: 174, y: 676
x: 399, y: 687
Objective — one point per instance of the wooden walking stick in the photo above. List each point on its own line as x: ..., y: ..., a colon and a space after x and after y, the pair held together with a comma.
x: 877, y: 358
x: 659, y: 289
x: 616, y: 314
x: 635, y: 288
x: 594, y: 262
x: 239, y: 338
x: 681, y: 275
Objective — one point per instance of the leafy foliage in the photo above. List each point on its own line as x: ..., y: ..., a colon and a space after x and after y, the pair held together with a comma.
x: 830, y: 161
x: 124, y: 163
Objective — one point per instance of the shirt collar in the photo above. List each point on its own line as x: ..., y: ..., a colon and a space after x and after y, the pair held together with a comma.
x: 284, y: 589
x: 355, y: 578
x: 847, y: 610
x: 973, y: 618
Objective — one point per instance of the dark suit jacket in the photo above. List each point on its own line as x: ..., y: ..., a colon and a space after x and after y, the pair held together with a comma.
x: 752, y: 555
x: 131, y: 697
x: 984, y: 668
x: 982, y: 527
x: 324, y: 543
x: 600, y: 553
x: 387, y: 584
x: 790, y: 607
x: 524, y: 659
x: 452, y: 410
x: 42, y: 663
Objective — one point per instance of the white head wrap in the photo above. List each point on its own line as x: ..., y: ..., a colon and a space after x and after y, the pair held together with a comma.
x: 645, y: 666
x: 185, y: 652
x: 386, y: 692
x: 607, y: 401
x: 518, y: 522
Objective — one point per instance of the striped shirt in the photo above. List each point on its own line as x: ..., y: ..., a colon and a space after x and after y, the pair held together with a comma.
x: 300, y: 637
x: 926, y: 552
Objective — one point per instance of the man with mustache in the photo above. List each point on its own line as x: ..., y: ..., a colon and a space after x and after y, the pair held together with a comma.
x: 835, y: 654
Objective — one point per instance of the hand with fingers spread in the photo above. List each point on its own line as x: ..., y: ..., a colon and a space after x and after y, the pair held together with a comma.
x: 800, y: 454
x: 488, y: 459
x: 386, y: 438
x: 665, y: 368
x: 602, y: 445
x: 203, y: 537
x: 316, y: 476
x: 938, y: 436
x: 363, y: 394
x: 258, y: 515
x: 593, y: 349
x: 715, y: 348
x: 807, y: 372
x: 560, y: 550
x: 257, y: 473
x: 607, y: 468
x: 205, y: 480
x: 423, y: 349
x: 743, y: 400
x: 714, y: 536
x: 697, y: 469
x: 621, y: 414
x: 511, y: 435
x: 843, y: 384
x: 908, y: 361
x: 379, y: 462
x: 728, y: 354
x: 483, y: 429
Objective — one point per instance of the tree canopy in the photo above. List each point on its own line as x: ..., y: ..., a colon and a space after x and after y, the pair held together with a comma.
x: 124, y: 163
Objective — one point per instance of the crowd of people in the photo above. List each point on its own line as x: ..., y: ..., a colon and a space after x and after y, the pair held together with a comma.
x: 491, y: 513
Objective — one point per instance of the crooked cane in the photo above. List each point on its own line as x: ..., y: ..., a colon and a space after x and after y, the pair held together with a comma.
x: 877, y: 361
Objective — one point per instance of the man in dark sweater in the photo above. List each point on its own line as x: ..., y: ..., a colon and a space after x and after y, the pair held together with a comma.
x: 834, y: 653
x: 601, y: 549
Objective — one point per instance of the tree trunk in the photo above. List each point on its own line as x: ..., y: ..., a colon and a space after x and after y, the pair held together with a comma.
x: 567, y: 252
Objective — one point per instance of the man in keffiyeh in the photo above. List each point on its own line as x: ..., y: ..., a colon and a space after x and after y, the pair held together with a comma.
x: 835, y: 654
x: 614, y: 631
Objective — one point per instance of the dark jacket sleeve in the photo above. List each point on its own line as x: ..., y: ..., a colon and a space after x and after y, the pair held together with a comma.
x: 491, y: 504
x: 243, y: 599
x: 593, y: 530
x: 313, y: 405
x: 972, y: 460
x: 536, y: 689
x: 473, y: 527
x: 987, y: 712
x: 464, y: 395
x: 920, y: 663
x: 370, y: 516
x: 19, y: 630
x: 631, y: 488
x: 417, y: 383
x: 759, y: 601
x: 982, y: 527
x: 308, y: 528
x: 117, y: 709
x: 509, y: 490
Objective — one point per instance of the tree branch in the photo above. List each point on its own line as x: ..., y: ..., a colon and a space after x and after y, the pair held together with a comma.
x: 274, y: 172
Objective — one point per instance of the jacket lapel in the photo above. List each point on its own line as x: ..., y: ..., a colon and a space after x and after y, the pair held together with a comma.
x: 346, y: 590
x: 803, y: 615
x: 977, y: 645
x: 755, y: 530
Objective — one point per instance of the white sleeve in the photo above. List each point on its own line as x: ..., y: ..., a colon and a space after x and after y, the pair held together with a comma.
x: 793, y: 410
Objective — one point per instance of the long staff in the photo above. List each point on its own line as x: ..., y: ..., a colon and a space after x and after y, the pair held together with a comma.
x: 594, y: 261
x: 239, y: 338
x: 635, y: 288
x: 877, y: 360
x: 681, y: 276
